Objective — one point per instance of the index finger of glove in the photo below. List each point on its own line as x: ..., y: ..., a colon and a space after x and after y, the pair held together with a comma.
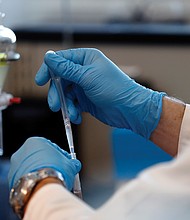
x: 64, y: 68
x: 78, y: 56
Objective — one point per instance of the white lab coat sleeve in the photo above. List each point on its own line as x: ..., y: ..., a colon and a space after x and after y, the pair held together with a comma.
x: 54, y: 202
x: 160, y: 192
x: 184, y: 139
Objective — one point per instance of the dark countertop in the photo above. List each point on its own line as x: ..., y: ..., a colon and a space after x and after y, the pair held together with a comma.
x: 175, y: 33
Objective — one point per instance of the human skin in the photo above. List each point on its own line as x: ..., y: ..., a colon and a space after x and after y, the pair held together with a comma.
x: 166, y: 134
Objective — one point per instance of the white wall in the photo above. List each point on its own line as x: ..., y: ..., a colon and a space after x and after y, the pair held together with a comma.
x: 26, y: 12
x: 35, y: 12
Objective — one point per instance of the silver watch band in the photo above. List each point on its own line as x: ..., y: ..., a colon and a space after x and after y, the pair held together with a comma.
x: 22, y: 190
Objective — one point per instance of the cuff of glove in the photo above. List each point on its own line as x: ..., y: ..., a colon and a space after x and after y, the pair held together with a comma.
x: 143, y: 115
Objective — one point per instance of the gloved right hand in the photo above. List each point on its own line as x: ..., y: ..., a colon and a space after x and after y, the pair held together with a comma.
x: 37, y: 153
x: 93, y: 83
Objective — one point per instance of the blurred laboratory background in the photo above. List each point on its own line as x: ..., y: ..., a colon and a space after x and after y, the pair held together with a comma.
x: 149, y: 40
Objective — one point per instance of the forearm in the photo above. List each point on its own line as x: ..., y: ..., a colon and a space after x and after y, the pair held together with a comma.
x: 166, y: 135
x: 41, y: 184
x: 161, y: 192
x: 53, y: 201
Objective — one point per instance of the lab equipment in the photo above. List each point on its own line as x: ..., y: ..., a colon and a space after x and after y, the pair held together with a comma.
x: 7, y: 54
x: 7, y: 49
x: 57, y: 80
x: 5, y: 100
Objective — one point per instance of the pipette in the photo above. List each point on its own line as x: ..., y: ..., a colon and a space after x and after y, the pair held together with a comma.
x: 57, y: 80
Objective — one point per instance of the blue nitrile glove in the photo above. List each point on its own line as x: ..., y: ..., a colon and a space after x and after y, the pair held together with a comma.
x: 94, y: 84
x: 37, y: 153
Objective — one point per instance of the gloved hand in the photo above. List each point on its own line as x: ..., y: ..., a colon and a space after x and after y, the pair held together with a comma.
x: 37, y: 153
x: 93, y: 83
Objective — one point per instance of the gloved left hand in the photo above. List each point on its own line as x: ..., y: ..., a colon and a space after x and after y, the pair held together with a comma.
x: 37, y: 153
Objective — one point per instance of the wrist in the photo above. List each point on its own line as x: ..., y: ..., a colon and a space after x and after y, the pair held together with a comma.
x: 166, y: 134
x: 23, y: 189
x: 41, y: 184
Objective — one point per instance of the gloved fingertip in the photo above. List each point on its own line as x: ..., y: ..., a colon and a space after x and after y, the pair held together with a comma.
x: 78, y: 120
x: 42, y: 76
x: 50, y: 52
x: 74, y: 117
x: 52, y: 105
x: 74, y: 113
x: 53, y: 99
x: 77, y: 164
x: 50, y: 56
x: 37, y: 79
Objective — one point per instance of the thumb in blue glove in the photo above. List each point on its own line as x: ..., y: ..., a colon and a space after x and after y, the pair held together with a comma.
x: 37, y: 153
x: 93, y: 83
